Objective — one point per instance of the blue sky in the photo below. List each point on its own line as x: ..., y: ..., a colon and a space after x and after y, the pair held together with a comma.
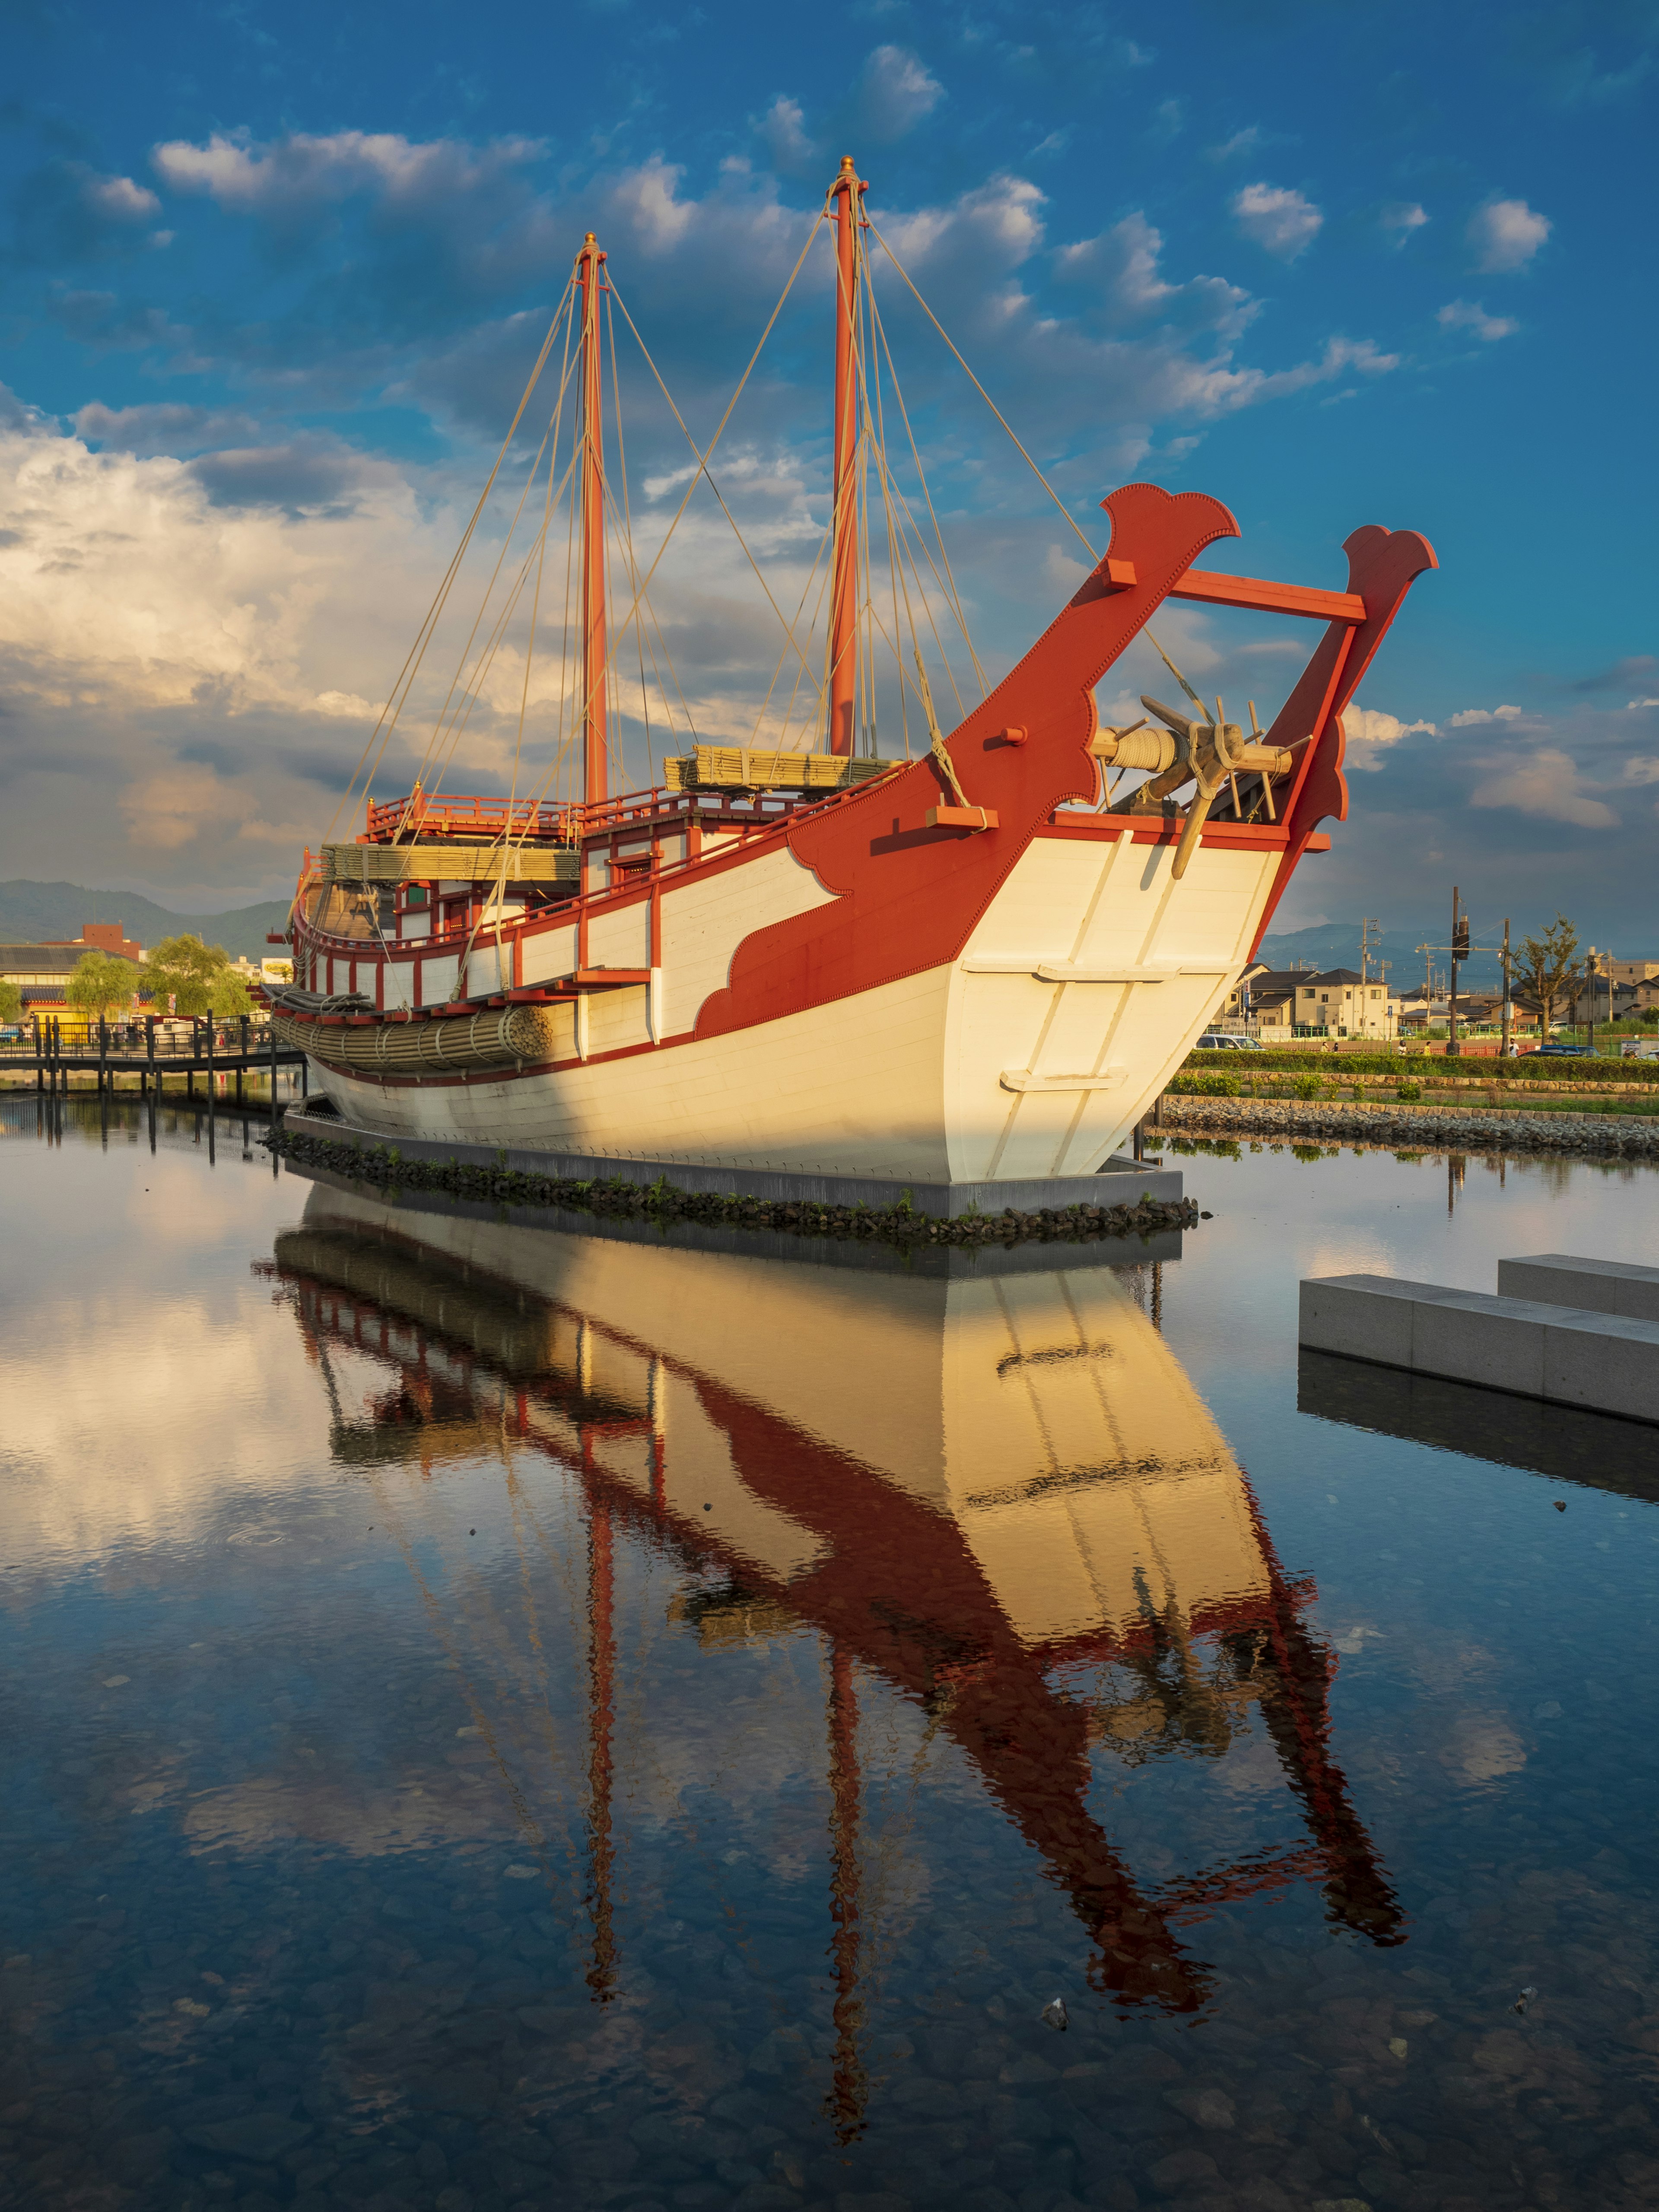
x: 271, y: 278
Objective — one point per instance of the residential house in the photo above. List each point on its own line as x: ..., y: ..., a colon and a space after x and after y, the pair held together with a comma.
x: 1333, y: 1002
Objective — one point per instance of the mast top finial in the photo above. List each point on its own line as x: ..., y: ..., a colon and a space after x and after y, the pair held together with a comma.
x: 587, y: 238
x: 846, y: 162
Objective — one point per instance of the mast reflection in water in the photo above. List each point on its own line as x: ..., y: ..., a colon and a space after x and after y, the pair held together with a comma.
x: 992, y: 1488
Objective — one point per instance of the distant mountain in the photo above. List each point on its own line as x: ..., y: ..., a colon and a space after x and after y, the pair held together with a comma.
x: 30, y: 913
x: 1336, y: 945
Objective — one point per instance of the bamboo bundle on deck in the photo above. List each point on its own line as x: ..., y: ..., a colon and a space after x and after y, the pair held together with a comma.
x: 495, y: 1037
x: 742, y: 768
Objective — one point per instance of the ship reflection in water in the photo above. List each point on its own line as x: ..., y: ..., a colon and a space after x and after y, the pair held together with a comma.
x: 996, y: 1493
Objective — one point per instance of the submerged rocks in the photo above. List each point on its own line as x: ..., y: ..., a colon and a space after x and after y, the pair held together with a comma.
x: 665, y: 1202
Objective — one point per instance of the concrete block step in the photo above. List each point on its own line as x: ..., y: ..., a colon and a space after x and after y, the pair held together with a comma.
x: 1614, y: 1286
x: 1568, y: 1354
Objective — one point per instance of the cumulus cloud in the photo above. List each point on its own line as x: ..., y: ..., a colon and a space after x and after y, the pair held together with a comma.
x: 1505, y: 234
x: 1470, y: 315
x: 1471, y: 716
x: 1123, y: 267
x: 1400, y: 220
x: 1635, y: 669
x: 63, y: 211
x: 1368, y: 730
x: 783, y: 127
x: 163, y: 427
x: 1277, y: 218
x: 302, y: 476
x: 1547, y: 783
x: 302, y: 169
x: 895, y: 92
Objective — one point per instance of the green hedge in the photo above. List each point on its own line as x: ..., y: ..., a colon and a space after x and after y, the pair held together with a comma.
x: 1428, y: 1069
x: 1205, y: 1085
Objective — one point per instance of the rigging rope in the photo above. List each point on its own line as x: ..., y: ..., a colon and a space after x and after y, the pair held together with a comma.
x: 1093, y: 556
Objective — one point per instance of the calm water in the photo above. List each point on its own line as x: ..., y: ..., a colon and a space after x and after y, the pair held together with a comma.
x: 501, y: 1716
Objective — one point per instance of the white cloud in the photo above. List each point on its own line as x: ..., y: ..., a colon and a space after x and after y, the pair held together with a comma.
x: 1470, y: 315
x: 1472, y: 715
x: 783, y: 127
x: 122, y: 200
x: 1636, y: 706
x: 1505, y: 234
x: 1242, y: 142
x: 1222, y: 391
x: 895, y: 92
x: 303, y: 169
x: 1546, y: 783
x: 1401, y: 219
x: 1370, y: 729
x: 1278, y: 219
x: 1123, y: 266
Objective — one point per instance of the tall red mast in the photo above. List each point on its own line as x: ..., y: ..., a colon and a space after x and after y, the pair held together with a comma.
x: 846, y: 193
x: 589, y: 263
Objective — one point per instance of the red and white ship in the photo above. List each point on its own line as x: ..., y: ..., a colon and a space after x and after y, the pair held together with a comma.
x: 974, y: 967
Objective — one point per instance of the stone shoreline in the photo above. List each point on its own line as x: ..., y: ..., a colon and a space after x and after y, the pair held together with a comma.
x: 381, y: 1167
x: 1461, y: 1128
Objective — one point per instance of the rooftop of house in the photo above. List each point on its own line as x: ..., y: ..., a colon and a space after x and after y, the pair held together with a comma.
x: 50, y: 959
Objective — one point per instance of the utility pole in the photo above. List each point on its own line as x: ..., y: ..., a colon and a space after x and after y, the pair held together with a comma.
x: 1590, y: 991
x: 1371, y: 941
x: 1508, y: 1013
x: 1459, y: 950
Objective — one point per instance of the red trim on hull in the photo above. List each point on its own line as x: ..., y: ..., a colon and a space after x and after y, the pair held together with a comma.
x: 909, y: 897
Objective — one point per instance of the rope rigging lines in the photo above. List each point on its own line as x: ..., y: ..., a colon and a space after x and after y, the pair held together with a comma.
x: 913, y: 616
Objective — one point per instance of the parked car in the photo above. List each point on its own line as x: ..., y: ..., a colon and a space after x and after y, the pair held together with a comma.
x: 1565, y: 1052
x: 1220, y: 1041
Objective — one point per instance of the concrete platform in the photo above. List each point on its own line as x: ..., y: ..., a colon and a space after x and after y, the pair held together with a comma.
x: 1566, y: 1354
x: 1613, y: 1287
x: 865, y: 1255
x: 1119, y: 1182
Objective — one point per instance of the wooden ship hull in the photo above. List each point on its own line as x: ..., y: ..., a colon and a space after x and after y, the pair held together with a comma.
x: 978, y: 965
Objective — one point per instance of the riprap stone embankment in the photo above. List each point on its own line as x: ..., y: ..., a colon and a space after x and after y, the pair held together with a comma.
x: 1459, y: 1128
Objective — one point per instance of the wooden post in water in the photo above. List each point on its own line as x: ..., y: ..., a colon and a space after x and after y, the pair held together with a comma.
x: 212, y: 1084
x: 39, y: 1055
x: 103, y: 1056
x: 272, y: 1020
x: 241, y: 1064
x: 850, y: 2090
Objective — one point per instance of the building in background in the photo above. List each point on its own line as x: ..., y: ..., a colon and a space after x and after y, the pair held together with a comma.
x: 100, y: 937
x: 41, y: 972
x: 1331, y: 1002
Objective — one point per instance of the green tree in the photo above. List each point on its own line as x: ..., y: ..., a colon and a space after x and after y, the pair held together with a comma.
x: 1547, y: 966
x: 102, y: 985
x: 199, y: 978
x: 11, y: 1002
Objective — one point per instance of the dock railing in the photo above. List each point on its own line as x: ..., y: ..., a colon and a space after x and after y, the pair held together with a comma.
x: 148, y: 1049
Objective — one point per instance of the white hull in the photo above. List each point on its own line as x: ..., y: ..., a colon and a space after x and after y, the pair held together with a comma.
x: 1033, y: 1054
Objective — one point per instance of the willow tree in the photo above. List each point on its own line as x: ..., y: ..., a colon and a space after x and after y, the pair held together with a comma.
x: 102, y: 985
x: 11, y: 1001
x: 197, y: 978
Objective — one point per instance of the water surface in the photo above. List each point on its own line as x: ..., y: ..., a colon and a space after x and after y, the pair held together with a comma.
x: 504, y: 1716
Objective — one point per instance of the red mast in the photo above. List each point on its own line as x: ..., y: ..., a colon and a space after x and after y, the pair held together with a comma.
x: 589, y: 262
x: 846, y: 191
